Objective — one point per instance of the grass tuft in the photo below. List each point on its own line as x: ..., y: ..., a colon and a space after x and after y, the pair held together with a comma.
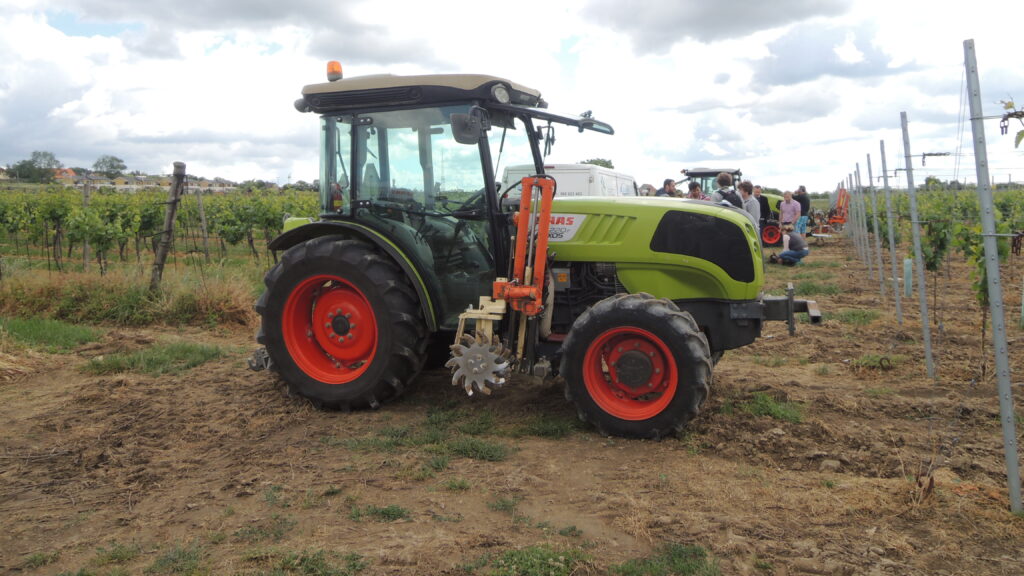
x: 545, y: 426
x: 185, y: 560
x: 457, y: 485
x: 671, y: 560
x: 878, y: 361
x: 771, y: 361
x: 116, y: 554
x: 482, y: 423
x: 273, y: 529
x: 503, y: 504
x: 856, y: 317
x: 762, y: 404
x: 812, y: 288
x: 389, y: 513
x: 541, y: 559
x: 39, y: 559
x: 478, y: 449
x: 318, y: 564
x: 305, y: 563
x: 273, y: 496
x: 169, y: 358
x: 51, y: 335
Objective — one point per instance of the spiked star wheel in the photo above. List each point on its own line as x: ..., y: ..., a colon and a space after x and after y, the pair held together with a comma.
x: 475, y: 363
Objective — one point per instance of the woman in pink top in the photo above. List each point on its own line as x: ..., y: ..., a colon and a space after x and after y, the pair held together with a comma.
x: 789, y: 209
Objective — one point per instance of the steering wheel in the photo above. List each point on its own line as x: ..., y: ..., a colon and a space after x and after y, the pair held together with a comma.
x: 473, y: 207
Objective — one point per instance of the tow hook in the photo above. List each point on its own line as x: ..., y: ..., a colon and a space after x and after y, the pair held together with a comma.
x: 786, y: 307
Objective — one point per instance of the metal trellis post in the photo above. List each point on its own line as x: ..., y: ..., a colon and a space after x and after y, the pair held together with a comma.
x: 915, y: 227
x: 892, y: 236
x: 995, y: 290
x: 878, y: 233
x: 864, y: 220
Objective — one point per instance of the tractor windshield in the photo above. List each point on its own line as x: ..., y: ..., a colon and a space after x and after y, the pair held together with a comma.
x: 403, y: 173
x: 406, y: 156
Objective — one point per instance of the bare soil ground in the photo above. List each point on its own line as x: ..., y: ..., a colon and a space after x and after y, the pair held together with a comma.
x: 887, y: 472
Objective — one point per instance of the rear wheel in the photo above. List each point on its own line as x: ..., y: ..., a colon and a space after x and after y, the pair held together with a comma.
x: 636, y: 366
x: 771, y: 235
x: 341, y: 323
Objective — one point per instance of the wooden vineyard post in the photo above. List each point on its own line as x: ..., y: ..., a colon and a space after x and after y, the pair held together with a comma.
x: 177, y: 184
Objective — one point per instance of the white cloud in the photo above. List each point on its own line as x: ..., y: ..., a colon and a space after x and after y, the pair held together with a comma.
x: 793, y: 93
x: 848, y: 52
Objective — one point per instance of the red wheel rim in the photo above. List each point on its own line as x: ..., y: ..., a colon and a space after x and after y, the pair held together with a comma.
x: 642, y: 395
x: 771, y: 234
x: 330, y: 329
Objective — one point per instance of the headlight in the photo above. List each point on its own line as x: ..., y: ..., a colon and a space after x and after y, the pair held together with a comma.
x: 500, y: 93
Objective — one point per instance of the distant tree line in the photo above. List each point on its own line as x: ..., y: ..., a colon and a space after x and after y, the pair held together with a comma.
x: 41, y: 168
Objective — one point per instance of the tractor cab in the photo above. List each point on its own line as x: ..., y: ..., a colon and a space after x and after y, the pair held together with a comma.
x: 421, y: 166
x: 706, y: 178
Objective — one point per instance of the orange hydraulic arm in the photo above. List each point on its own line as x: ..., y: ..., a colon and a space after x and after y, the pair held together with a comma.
x: 524, y: 291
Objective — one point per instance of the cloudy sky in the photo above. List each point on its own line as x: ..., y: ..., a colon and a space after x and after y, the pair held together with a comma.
x: 791, y: 91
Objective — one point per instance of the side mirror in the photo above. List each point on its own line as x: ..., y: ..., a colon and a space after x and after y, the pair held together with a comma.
x: 466, y: 128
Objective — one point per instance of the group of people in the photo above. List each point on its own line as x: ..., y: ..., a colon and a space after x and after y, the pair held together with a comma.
x: 793, y: 211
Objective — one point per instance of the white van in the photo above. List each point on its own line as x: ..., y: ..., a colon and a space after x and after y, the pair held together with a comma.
x: 574, y: 180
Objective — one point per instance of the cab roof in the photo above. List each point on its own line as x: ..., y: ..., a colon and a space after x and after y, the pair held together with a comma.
x: 383, y: 90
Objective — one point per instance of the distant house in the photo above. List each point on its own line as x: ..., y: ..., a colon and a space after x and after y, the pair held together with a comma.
x: 129, y: 183
x: 94, y: 181
x: 65, y: 177
x: 159, y: 181
x: 4, y: 175
x: 222, y: 185
x: 207, y: 186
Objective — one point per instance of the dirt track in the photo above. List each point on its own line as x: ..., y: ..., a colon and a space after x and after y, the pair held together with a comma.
x: 223, y: 460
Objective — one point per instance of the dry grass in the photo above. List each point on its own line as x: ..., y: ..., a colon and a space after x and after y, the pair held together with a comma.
x: 122, y: 298
x: 638, y: 519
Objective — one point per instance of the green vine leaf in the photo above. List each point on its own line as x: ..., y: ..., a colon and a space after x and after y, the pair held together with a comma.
x: 1020, y: 137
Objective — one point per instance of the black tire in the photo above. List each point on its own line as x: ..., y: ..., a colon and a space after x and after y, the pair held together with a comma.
x: 342, y: 323
x: 771, y: 234
x: 667, y: 370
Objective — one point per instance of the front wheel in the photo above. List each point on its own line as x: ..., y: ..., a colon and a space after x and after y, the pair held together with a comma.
x: 341, y: 323
x: 636, y: 366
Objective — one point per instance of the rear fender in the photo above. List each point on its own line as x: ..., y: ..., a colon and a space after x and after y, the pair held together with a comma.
x: 312, y: 230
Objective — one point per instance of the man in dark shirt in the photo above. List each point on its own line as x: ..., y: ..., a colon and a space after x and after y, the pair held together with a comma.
x: 668, y: 188
x: 766, y: 210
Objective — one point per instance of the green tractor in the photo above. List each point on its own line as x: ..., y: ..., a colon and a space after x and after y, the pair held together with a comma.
x: 771, y: 232
x: 629, y: 301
